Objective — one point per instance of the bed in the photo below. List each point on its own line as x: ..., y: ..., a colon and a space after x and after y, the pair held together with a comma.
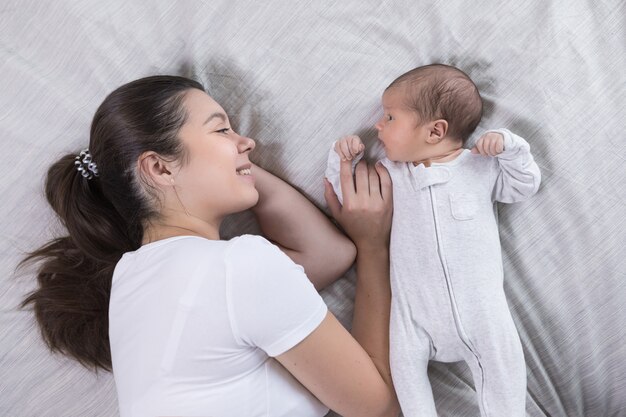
x: 296, y: 76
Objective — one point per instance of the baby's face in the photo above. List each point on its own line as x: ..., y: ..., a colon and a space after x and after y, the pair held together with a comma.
x: 398, y: 130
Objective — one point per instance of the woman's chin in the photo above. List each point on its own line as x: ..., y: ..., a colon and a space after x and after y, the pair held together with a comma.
x: 255, y: 198
x: 251, y: 199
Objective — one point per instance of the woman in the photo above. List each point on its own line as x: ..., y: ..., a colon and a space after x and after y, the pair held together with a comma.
x: 191, y: 324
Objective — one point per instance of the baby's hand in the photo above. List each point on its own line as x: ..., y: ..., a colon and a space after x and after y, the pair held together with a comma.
x: 489, y: 144
x: 348, y: 147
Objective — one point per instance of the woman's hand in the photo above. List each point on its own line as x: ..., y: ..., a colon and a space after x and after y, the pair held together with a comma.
x: 329, y: 360
x: 367, y: 204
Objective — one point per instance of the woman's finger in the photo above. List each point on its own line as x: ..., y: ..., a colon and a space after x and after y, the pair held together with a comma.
x: 374, y: 182
x: 362, y: 179
x: 347, y: 180
x: 331, y: 199
x: 386, y: 190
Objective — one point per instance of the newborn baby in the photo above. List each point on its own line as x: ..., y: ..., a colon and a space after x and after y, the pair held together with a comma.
x: 448, y: 302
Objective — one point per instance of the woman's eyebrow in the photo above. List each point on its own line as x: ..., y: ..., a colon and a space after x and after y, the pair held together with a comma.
x: 213, y: 116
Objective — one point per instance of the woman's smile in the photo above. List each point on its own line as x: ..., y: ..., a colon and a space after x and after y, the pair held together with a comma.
x: 245, y: 173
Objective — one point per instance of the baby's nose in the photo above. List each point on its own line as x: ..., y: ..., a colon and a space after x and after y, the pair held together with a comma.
x: 379, y: 125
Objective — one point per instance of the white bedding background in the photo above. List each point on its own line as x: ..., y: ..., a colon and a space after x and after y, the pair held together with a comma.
x: 296, y: 75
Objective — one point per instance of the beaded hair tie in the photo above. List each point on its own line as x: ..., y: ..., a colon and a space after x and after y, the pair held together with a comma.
x: 85, y: 165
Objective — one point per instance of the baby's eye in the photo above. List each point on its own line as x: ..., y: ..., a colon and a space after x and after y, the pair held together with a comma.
x: 389, y: 118
x: 225, y: 130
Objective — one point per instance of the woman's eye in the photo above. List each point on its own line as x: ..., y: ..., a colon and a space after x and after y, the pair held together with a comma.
x: 225, y: 130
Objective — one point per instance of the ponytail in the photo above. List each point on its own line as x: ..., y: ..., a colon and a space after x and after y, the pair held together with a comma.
x: 72, y: 302
x: 104, y: 215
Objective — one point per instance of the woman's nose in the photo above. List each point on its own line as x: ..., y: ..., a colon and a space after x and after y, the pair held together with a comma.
x: 245, y: 144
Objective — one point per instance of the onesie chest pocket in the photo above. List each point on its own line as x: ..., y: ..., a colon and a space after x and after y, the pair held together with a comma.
x: 463, y: 207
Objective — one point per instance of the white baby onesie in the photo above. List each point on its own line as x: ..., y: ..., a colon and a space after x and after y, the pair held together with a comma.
x: 448, y: 302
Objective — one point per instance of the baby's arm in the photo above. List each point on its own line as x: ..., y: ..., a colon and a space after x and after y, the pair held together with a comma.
x: 517, y: 174
x: 342, y: 146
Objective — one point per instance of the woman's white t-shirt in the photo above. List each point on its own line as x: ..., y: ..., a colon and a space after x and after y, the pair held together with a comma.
x: 194, y: 325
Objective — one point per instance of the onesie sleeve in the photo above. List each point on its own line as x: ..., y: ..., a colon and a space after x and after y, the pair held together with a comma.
x: 272, y: 304
x: 517, y: 176
x: 332, y: 170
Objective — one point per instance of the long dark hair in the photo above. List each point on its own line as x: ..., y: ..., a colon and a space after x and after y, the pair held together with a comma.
x: 104, y: 216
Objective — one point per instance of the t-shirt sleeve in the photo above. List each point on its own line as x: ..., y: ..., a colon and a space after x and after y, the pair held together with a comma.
x: 272, y: 304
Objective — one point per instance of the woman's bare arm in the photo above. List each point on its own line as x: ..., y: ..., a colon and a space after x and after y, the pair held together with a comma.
x: 301, y: 230
x: 351, y: 373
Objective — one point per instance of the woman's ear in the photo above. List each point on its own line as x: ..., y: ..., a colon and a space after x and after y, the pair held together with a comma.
x: 152, y: 166
x: 437, y: 131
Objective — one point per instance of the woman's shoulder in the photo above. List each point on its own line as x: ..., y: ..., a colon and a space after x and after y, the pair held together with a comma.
x: 249, y: 254
x: 254, y: 251
x: 244, y: 246
x: 250, y: 241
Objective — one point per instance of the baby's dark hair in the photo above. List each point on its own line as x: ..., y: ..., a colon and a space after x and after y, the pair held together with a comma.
x: 439, y: 91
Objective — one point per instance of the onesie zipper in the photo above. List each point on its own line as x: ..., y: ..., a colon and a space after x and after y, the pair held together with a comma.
x: 455, y: 309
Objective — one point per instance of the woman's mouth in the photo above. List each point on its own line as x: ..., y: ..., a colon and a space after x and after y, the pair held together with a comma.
x: 245, y: 174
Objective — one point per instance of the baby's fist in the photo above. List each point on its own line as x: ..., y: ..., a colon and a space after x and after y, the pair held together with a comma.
x: 489, y: 144
x: 348, y: 147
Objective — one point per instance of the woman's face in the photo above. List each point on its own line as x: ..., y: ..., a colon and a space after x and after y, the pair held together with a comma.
x: 216, y: 180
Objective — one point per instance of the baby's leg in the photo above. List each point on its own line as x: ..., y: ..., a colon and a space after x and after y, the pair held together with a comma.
x: 500, y: 377
x: 410, y: 351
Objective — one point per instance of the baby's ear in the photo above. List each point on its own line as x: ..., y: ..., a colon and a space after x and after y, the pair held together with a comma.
x: 438, y: 130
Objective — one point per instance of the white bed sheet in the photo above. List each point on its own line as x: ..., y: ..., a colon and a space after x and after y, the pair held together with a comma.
x: 296, y: 76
